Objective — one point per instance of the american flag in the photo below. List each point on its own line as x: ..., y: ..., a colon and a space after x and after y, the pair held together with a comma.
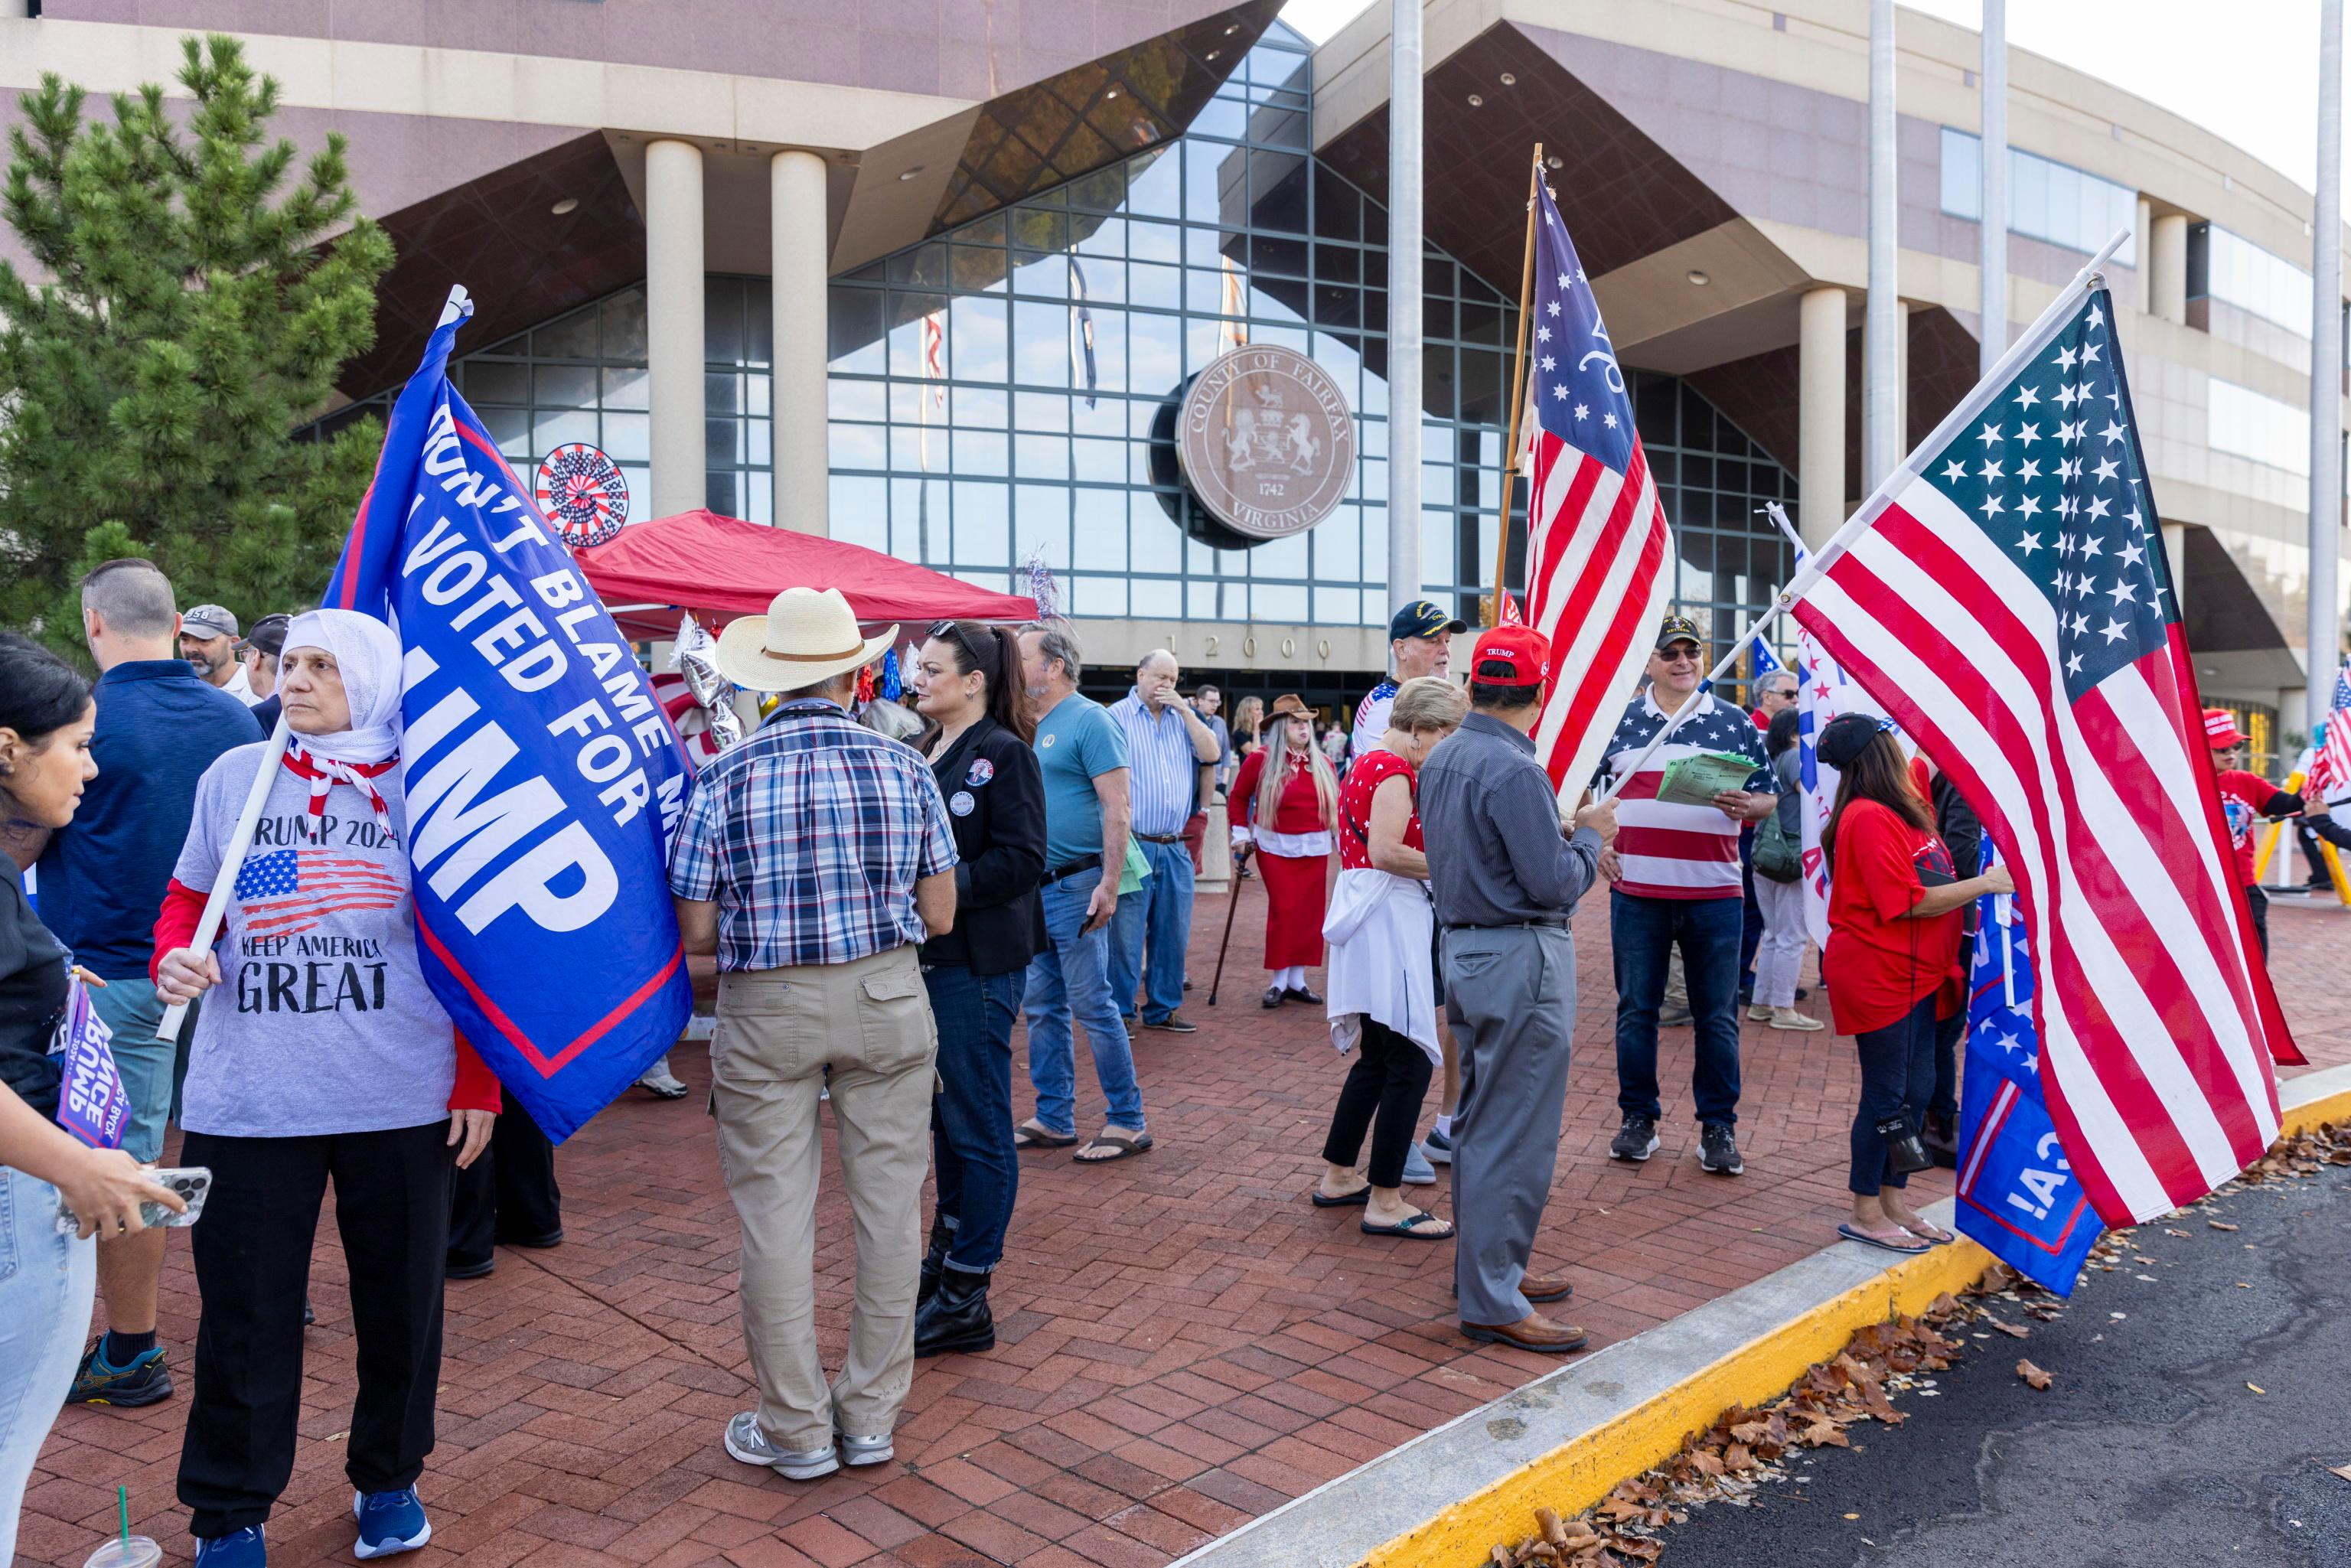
x: 2330, y: 768
x: 1598, y: 550
x: 288, y: 891
x: 2005, y: 597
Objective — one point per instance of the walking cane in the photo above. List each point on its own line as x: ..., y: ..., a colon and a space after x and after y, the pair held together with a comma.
x: 1238, y: 860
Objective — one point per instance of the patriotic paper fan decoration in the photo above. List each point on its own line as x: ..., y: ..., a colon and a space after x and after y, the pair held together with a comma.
x: 1042, y: 586
x: 583, y: 492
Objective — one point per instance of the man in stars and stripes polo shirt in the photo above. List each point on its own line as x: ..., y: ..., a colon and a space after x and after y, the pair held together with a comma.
x: 1675, y: 871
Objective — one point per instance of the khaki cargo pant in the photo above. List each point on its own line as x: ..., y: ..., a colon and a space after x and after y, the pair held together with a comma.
x: 778, y: 1030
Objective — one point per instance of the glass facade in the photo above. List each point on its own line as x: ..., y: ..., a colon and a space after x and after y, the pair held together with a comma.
x: 2046, y: 200
x: 1008, y: 387
x: 2235, y: 270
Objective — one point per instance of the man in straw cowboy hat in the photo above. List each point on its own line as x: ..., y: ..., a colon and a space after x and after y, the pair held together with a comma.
x: 815, y: 858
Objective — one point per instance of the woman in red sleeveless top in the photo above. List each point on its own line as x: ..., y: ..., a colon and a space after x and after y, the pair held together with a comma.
x: 1382, y: 979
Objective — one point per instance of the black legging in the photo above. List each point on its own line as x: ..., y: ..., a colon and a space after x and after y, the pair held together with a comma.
x: 1381, y: 1095
x: 1898, y: 1076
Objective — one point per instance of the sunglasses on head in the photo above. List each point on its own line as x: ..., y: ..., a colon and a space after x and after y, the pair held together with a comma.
x: 953, y: 630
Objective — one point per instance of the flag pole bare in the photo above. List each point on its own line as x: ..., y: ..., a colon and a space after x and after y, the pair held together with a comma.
x: 231, y: 862
x: 1814, y: 568
x: 1517, y: 404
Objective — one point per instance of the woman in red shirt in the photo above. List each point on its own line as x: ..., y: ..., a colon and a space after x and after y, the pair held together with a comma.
x: 1382, y: 979
x: 1892, y: 964
x: 1288, y: 799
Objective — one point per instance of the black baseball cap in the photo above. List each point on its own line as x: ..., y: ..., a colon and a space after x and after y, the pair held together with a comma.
x: 268, y: 634
x: 1423, y: 619
x: 1675, y: 629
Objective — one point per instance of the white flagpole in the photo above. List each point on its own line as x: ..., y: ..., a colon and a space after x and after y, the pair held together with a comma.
x: 231, y: 862
x: 2024, y: 348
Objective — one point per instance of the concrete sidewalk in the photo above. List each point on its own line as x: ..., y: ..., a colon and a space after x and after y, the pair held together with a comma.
x: 1186, y: 1344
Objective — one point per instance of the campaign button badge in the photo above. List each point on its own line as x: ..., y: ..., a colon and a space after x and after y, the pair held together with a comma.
x: 982, y: 771
x: 960, y: 804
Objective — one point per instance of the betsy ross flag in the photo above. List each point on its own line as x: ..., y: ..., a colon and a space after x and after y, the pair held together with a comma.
x: 289, y: 891
x: 2330, y: 767
x: 1598, y: 548
x: 543, y: 778
x: 2004, y: 597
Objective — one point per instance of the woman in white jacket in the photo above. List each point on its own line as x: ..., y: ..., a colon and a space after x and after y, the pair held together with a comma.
x: 1382, y: 981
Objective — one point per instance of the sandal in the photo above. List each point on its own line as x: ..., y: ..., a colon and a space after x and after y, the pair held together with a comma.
x: 1355, y: 1200
x: 1127, y: 1148
x: 1883, y: 1242
x: 1034, y: 1135
x: 1410, y: 1225
x: 1932, y: 1235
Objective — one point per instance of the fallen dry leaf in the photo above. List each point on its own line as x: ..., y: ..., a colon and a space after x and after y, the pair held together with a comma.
x: 2220, y: 1225
x: 1825, y: 1432
x: 2013, y: 1331
x: 2343, y: 1471
x: 2257, y: 1388
x: 2033, y: 1375
x: 1547, y: 1520
x: 1704, y: 1463
x: 1739, y: 1456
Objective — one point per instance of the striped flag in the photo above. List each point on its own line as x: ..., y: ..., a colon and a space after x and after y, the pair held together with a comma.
x: 2005, y: 597
x: 2330, y: 766
x: 1599, y: 553
x: 289, y: 891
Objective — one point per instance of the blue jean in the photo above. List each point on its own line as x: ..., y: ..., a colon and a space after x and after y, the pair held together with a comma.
x: 1898, y: 1074
x: 47, y: 1284
x: 1643, y: 933
x: 971, y: 1119
x: 1069, y: 983
x: 1157, y: 916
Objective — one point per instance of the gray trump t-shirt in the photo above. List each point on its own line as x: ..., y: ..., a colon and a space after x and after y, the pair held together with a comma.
x: 322, y: 1022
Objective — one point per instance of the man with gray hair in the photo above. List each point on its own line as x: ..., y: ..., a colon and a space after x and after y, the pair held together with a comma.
x: 102, y: 880
x: 1082, y: 752
x: 1167, y: 745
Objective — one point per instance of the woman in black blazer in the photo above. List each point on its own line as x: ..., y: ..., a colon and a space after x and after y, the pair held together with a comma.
x: 968, y: 679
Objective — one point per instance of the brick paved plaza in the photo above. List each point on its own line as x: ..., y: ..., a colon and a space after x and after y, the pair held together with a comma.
x: 1184, y: 1342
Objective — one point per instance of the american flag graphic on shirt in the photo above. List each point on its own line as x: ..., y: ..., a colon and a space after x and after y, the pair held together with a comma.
x: 289, y: 891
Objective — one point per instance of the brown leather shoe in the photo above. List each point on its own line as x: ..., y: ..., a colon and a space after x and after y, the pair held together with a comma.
x: 1534, y: 1332
x: 1556, y: 1289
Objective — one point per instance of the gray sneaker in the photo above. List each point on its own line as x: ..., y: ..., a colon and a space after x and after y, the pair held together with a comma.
x: 1418, y: 1171
x: 746, y: 1443
x: 864, y: 1450
x: 1437, y: 1147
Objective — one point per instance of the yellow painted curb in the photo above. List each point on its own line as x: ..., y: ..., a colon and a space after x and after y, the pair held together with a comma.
x: 1578, y: 1473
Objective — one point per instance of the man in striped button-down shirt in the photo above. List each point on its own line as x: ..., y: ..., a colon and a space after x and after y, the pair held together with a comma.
x: 1167, y: 745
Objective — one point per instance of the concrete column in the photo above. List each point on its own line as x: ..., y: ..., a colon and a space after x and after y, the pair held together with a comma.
x: 1901, y: 383
x: 673, y: 324
x: 1820, y: 415
x: 1991, y: 298
x: 2143, y: 247
x: 2167, y: 270
x: 1882, y: 446
x: 1405, y: 321
x: 2175, y: 556
x: 2324, y: 635
x: 800, y: 239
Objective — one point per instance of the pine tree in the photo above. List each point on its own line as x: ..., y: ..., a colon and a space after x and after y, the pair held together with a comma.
x: 195, y: 300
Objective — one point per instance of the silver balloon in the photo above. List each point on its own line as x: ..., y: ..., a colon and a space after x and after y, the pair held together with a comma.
x: 697, y: 658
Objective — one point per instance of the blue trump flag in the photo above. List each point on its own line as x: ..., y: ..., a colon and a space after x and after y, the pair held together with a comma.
x: 2018, y: 1195
x: 543, y: 778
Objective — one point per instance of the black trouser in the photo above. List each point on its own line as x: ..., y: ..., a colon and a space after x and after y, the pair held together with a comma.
x: 1383, y: 1093
x: 1949, y: 1032
x: 509, y: 1195
x: 252, y: 1251
x: 1897, y: 1076
x: 2259, y: 902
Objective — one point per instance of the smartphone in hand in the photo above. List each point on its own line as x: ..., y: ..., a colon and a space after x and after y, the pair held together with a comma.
x: 192, y: 1183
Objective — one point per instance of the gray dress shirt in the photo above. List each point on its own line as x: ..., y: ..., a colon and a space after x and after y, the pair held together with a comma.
x: 1490, y: 820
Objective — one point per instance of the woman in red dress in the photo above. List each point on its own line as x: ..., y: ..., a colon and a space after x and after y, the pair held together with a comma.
x: 1289, y: 801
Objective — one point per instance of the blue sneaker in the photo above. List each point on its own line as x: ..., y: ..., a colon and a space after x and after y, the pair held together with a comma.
x: 98, y: 1381
x: 245, y: 1548
x: 390, y: 1521
x: 1437, y: 1147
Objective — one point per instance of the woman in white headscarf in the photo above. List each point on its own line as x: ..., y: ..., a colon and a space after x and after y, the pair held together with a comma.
x: 319, y: 1054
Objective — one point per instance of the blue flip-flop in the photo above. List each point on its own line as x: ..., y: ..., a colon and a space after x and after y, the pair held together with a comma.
x: 1410, y: 1226
x: 1853, y: 1232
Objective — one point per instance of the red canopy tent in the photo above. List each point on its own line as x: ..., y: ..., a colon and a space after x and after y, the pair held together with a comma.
x: 724, y: 567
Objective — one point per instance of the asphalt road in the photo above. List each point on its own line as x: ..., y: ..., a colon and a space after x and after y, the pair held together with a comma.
x: 2149, y: 1449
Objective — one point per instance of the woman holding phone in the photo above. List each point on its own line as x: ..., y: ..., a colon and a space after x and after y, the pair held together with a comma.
x: 47, y: 1279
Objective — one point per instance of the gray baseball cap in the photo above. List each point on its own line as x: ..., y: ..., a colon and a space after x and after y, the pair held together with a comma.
x: 208, y: 621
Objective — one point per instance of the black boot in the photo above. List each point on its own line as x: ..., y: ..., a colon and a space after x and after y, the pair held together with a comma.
x: 1942, y: 1139
x: 957, y: 1318
x: 934, y: 1259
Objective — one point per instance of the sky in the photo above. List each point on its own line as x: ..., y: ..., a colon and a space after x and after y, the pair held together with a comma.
x: 2254, y: 82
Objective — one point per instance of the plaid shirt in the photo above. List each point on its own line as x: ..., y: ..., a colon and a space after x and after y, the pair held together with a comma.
x: 809, y: 836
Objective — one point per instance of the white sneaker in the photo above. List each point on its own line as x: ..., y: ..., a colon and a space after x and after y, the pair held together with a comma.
x: 748, y: 1444
x: 1759, y: 1013
x: 1789, y: 1017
